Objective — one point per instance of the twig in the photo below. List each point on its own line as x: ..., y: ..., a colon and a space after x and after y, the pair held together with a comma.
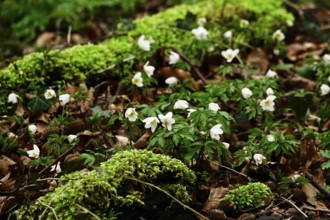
x: 316, y: 184
x: 241, y: 174
x: 87, y: 211
x: 50, y: 202
x: 51, y: 208
x: 169, y: 195
x: 193, y: 66
x: 294, y: 205
x: 295, y: 7
x: 68, y: 37
x: 57, y: 159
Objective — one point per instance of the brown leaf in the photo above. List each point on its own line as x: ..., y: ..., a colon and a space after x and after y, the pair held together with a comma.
x: 142, y: 142
x: 45, y: 39
x: 310, y: 192
x: 72, y: 157
x: 308, y: 152
x: 7, y: 184
x: 258, y: 58
x: 213, y: 200
x: 5, y: 163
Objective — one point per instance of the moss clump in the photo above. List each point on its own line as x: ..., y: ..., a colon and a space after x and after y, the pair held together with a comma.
x: 110, y: 187
x: 117, y: 56
x: 247, y: 196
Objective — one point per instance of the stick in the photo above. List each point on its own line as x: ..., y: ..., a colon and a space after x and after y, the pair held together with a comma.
x: 57, y: 159
x: 169, y: 195
x: 49, y: 207
x: 294, y: 205
x: 316, y: 184
x: 193, y: 66
x: 87, y: 211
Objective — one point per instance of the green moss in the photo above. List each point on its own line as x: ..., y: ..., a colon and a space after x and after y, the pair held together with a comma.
x: 247, y: 196
x: 93, y: 63
x: 109, y: 187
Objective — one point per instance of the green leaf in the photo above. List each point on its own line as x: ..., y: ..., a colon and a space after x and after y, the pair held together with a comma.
x: 97, y: 110
x: 39, y: 104
x: 325, y: 165
x: 89, y: 159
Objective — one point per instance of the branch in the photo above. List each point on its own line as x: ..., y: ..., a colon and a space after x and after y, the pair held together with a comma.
x: 294, y: 205
x: 87, y: 211
x: 169, y: 195
x: 193, y: 66
x: 317, y: 185
x: 57, y: 159
x: 49, y: 207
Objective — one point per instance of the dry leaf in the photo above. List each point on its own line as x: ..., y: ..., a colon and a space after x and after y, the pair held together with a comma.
x: 258, y: 58
x: 310, y: 192
x: 213, y: 200
x: 5, y: 163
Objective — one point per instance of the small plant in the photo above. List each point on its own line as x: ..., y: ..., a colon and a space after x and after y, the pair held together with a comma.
x: 250, y: 195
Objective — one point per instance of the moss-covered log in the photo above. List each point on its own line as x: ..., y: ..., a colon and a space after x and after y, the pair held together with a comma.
x: 116, y: 57
x: 109, y: 187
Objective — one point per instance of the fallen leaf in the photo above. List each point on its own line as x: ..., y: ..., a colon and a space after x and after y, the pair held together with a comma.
x: 213, y: 200
x: 310, y: 192
x: 259, y: 59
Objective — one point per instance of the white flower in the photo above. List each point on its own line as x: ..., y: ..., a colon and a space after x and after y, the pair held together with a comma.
x: 190, y: 110
x: 277, y: 52
x: 181, y: 104
x: 64, y: 99
x: 201, y: 33
x: 278, y: 35
x: 244, y: 23
x: 228, y: 34
x: 214, y: 107
x: 35, y: 152
x: 226, y: 145
x: 289, y: 23
x: 258, y: 158
x: 201, y: 21
x: 215, y: 131
x: 246, y: 93
x: 148, y: 69
x: 271, y: 74
x: 325, y: 89
x: 174, y: 58
x: 32, y: 129
x: 56, y: 168
x: 269, y: 91
x: 167, y: 120
x: 210, y: 48
x: 13, y: 98
x: 270, y: 138
x: 326, y: 59
x: 151, y: 122
x: 295, y: 177
x: 50, y: 93
x: 145, y: 44
x: 268, y: 103
x: 229, y: 54
x: 72, y: 137
x: 171, y: 81
x: 131, y: 114
x: 137, y: 80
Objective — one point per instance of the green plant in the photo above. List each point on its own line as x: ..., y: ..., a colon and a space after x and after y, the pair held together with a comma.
x: 116, y: 184
x: 247, y: 196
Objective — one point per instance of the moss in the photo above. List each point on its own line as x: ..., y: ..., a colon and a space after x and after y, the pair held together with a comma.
x: 93, y: 63
x: 247, y: 196
x: 109, y: 186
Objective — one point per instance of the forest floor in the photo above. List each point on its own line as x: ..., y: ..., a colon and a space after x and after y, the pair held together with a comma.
x: 304, y: 199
